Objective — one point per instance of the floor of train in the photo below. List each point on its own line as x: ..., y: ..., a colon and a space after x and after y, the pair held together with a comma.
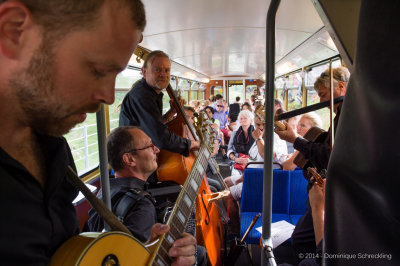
x: 283, y: 253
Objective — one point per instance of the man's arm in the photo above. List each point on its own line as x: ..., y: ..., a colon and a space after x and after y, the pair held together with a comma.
x: 317, y: 203
x: 317, y: 153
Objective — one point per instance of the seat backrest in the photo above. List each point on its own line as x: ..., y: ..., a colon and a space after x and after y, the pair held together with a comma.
x: 298, y: 192
x: 252, y: 190
x: 281, y: 191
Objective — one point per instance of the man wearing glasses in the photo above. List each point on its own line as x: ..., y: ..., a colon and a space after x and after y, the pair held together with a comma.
x: 133, y: 157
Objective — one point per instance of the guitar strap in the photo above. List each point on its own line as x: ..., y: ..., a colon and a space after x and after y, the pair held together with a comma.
x: 97, y: 204
x: 128, y: 200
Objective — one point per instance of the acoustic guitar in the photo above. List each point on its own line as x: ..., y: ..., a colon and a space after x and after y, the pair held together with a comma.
x: 117, y: 248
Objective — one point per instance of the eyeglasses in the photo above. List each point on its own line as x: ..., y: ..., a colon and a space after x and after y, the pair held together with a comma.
x: 220, y: 105
x: 150, y: 146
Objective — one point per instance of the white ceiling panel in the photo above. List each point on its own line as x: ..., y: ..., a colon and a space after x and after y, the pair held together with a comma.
x: 220, y: 38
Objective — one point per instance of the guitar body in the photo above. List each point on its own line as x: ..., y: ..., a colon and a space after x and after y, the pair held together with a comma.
x: 114, y: 248
x: 209, y: 227
x: 314, y: 134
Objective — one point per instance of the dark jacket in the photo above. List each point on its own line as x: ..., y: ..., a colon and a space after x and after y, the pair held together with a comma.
x: 142, y: 107
x: 139, y: 219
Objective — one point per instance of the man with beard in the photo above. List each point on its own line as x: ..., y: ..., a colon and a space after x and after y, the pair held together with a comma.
x: 58, y: 61
x: 142, y: 106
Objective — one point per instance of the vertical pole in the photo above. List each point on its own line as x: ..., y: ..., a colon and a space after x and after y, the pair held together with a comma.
x: 86, y: 146
x: 303, y: 87
x: 103, y: 160
x: 190, y: 92
x: 332, y: 104
x: 267, y: 256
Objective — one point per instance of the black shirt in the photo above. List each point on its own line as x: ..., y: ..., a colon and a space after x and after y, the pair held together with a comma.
x: 35, y: 222
x: 139, y: 220
x: 142, y: 107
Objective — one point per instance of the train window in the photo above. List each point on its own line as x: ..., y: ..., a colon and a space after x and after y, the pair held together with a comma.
x: 250, y: 91
x: 292, y: 84
x: 114, y: 109
x: 202, y: 89
x: 123, y: 83
x: 280, y: 94
x: 194, y: 91
x: 82, y: 140
x: 217, y: 90
x: 183, y: 87
x: 235, y: 90
x: 312, y: 95
x: 127, y: 78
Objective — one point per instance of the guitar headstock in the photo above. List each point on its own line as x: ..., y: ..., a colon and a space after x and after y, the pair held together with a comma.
x: 205, y: 131
x: 260, y: 113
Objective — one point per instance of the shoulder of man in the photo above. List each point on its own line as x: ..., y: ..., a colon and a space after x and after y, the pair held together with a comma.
x: 128, y: 199
x: 141, y: 90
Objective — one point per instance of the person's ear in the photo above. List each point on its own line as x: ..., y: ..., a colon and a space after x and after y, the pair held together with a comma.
x: 15, y: 19
x: 342, y: 88
x: 128, y: 159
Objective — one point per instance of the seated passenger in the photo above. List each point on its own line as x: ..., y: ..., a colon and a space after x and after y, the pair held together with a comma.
x: 216, y: 98
x: 292, y: 122
x: 256, y: 154
x: 246, y: 106
x: 240, y: 142
x: 306, y: 122
x: 133, y: 157
x: 231, y: 126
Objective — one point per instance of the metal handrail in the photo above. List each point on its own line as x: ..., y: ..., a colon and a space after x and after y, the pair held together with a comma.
x: 267, y: 256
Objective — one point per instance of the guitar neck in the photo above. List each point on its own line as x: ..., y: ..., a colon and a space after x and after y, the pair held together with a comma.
x: 183, y: 208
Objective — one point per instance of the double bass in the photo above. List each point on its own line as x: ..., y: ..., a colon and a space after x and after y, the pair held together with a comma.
x: 175, y: 167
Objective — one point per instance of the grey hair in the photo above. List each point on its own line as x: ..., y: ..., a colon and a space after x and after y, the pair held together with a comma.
x: 246, y: 113
x: 339, y: 74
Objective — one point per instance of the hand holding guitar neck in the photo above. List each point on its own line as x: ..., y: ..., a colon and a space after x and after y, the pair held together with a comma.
x: 260, y: 113
x: 286, y: 133
x: 279, y: 125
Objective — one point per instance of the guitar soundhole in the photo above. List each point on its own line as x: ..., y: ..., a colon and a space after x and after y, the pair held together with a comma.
x: 110, y: 260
